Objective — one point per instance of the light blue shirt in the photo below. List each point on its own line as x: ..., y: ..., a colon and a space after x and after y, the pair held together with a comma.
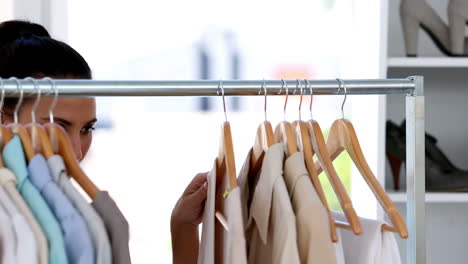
x: 13, y: 157
x: 78, y: 241
x: 95, y: 224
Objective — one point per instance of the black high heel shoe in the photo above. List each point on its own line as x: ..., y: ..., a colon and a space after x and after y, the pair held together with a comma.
x: 441, y: 174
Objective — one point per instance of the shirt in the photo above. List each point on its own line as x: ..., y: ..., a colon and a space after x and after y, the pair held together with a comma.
x: 25, y: 248
x: 117, y: 227
x: 234, y: 239
x: 372, y: 246
x: 8, y: 181
x: 78, y: 244
x: 7, y: 239
x: 94, y: 222
x: 14, y: 159
x: 270, y: 221
x: 206, y: 252
x: 218, y: 244
x: 314, y: 241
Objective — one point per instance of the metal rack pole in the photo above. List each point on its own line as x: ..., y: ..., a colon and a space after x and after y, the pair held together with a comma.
x: 203, y: 88
x: 415, y: 174
x: 412, y: 87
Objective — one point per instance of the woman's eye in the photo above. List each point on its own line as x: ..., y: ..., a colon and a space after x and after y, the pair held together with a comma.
x: 87, y: 130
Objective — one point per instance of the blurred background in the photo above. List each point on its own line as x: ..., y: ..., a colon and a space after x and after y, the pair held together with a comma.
x: 146, y: 150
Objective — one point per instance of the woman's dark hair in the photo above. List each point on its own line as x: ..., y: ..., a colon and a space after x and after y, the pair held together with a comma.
x: 27, y: 50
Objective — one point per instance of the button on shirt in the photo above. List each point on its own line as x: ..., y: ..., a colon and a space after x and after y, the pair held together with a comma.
x: 117, y: 227
x: 372, y: 246
x: 78, y: 244
x: 8, y: 181
x: 270, y: 221
x: 314, y: 242
x: 93, y: 220
x: 13, y: 157
x: 25, y: 248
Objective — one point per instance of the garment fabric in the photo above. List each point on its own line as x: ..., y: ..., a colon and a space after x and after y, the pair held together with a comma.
x: 25, y: 247
x: 270, y: 221
x: 14, y: 159
x: 8, y: 240
x: 94, y: 222
x: 8, y: 182
x: 206, y: 253
x: 234, y: 239
x: 314, y: 241
x: 117, y: 227
x: 217, y: 244
x: 78, y: 244
x: 372, y: 246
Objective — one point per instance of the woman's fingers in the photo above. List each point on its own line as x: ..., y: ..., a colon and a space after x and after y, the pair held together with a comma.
x: 198, y: 181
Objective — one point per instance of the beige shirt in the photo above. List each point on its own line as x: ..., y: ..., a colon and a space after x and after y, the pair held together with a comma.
x: 217, y: 244
x: 8, y: 180
x: 314, y: 242
x: 269, y: 217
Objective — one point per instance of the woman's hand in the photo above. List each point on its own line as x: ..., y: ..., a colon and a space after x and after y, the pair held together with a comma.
x: 186, y: 216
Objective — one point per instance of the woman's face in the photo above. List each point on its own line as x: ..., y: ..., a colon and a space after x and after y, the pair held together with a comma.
x: 76, y: 115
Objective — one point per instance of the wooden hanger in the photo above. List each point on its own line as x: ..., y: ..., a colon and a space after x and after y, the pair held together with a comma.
x: 226, y: 168
x: 62, y: 146
x: 17, y: 129
x: 306, y: 147
x: 320, y: 149
x: 316, y: 145
x: 343, y: 138
x: 263, y: 140
x: 39, y: 138
x: 284, y: 132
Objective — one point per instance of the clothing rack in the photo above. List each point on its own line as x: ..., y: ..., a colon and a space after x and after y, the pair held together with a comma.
x: 412, y: 87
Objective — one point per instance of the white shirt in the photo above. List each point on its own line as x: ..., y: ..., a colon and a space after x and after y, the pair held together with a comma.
x: 217, y: 244
x: 7, y: 239
x: 269, y: 218
x: 25, y: 246
x: 372, y: 246
x: 206, y: 251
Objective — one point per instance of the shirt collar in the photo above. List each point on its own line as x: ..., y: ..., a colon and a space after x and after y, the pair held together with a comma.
x: 294, y: 168
x: 57, y: 167
x: 6, y: 176
x: 271, y: 171
x: 14, y: 159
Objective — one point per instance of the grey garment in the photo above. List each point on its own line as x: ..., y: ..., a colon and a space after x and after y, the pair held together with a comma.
x: 94, y: 222
x: 117, y: 227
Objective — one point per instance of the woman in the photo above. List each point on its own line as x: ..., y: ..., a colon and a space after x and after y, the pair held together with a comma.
x: 26, y: 50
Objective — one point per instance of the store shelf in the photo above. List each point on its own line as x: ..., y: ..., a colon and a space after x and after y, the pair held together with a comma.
x: 427, y: 62
x: 400, y: 197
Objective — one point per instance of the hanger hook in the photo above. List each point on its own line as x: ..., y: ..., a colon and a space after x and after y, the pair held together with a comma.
x: 54, y: 102
x: 299, y: 85
x: 341, y: 83
x: 20, y: 100
x: 285, y: 85
x: 2, y: 98
x: 38, y: 99
x: 307, y: 84
x: 220, y: 87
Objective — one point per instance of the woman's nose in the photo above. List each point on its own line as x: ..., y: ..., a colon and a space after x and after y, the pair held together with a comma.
x: 76, y: 144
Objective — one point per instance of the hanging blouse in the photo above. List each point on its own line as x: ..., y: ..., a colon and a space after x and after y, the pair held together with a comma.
x: 25, y: 248
x: 14, y: 159
x: 93, y: 220
x: 8, y: 181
